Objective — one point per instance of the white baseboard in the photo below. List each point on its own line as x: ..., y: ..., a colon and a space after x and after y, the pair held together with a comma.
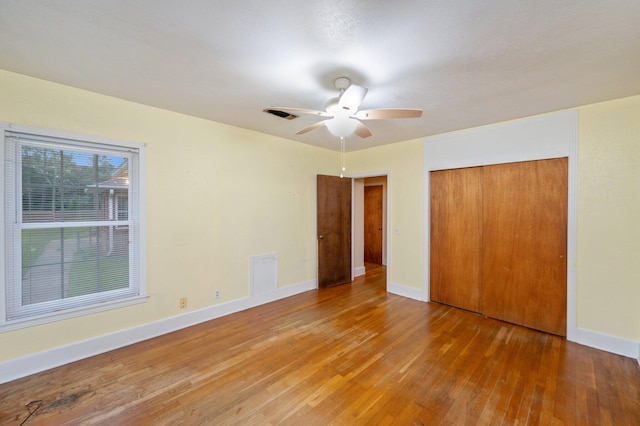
x: 605, y: 342
x: 38, y: 362
x: 400, y: 290
x: 35, y: 363
x: 360, y: 270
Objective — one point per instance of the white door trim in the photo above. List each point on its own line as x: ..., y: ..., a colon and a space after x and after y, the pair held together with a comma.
x: 386, y: 214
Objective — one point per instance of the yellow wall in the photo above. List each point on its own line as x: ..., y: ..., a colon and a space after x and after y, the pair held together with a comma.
x: 608, y: 269
x: 216, y: 195
x: 608, y: 215
x: 404, y: 163
x: 206, y: 181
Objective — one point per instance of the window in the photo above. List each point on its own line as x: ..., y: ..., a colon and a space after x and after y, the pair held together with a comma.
x: 122, y: 207
x: 72, y: 218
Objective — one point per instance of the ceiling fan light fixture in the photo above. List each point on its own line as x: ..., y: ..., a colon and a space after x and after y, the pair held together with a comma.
x: 341, y: 125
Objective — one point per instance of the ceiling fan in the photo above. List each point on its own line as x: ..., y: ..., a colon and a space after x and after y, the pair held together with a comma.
x: 342, y: 116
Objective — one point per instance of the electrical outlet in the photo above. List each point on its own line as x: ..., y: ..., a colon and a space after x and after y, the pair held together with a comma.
x: 183, y: 302
x: 218, y: 292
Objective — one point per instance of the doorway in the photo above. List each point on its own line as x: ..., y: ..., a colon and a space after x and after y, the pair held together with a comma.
x: 370, y: 222
x: 356, y: 233
x: 373, y: 224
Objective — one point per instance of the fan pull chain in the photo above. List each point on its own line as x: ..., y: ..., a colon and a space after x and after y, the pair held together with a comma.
x: 342, y: 156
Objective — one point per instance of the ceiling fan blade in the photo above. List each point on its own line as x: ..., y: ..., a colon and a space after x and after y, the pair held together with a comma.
x: 362, y: 130
x: 310, y: 128
x: 297, y: 111
x: 352, y: 97
x: 385, y: 113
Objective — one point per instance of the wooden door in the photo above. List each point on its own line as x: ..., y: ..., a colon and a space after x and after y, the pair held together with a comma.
x: 456, y: 237
x: 373, y: 224
x: 498, y: 241
x: 334, y: 230
x: 524, y: 251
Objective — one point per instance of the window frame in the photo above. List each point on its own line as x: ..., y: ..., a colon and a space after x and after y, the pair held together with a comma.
x: 139, y: 273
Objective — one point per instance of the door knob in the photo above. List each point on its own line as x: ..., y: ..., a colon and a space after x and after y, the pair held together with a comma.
x: 321, y: 237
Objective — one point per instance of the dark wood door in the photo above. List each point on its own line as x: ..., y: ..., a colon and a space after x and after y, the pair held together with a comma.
x: 456, y: 238
x: 525, y: 243
x: 373, y: 224
x: 334, y: 230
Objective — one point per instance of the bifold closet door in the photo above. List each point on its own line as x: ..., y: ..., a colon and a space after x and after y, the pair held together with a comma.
x: 456, y: 237
x: 524, y: 244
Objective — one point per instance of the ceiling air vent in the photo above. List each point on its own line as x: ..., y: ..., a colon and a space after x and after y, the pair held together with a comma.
x: 280, y: 114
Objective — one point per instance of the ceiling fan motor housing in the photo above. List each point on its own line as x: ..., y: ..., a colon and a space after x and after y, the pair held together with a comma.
x: 342, y: 83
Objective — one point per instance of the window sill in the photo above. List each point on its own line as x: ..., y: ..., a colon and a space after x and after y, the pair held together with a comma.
x: 70, y: 313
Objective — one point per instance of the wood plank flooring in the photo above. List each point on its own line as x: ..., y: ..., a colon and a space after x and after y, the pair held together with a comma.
x: 346, y: 355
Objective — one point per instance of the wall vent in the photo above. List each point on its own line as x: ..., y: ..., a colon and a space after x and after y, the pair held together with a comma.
x: 280, y: 114
x: 264, y: 274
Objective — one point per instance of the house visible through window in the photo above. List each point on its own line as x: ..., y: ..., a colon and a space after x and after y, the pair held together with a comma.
x: 122, y: 207
x: 72, y: 225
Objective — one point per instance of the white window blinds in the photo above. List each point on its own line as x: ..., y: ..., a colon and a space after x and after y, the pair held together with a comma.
x: 71, y: 225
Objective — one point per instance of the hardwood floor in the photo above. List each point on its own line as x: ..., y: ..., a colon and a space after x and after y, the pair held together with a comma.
x: 350, y: 354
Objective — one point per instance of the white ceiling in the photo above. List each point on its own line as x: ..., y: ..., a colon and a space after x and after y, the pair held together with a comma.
x: 465, y: 63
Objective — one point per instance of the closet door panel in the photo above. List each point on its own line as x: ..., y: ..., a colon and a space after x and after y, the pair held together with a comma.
x: 524, y: 244
x: 456, y: 238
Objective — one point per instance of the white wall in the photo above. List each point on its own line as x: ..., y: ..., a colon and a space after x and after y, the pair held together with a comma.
x: 358, y: 227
